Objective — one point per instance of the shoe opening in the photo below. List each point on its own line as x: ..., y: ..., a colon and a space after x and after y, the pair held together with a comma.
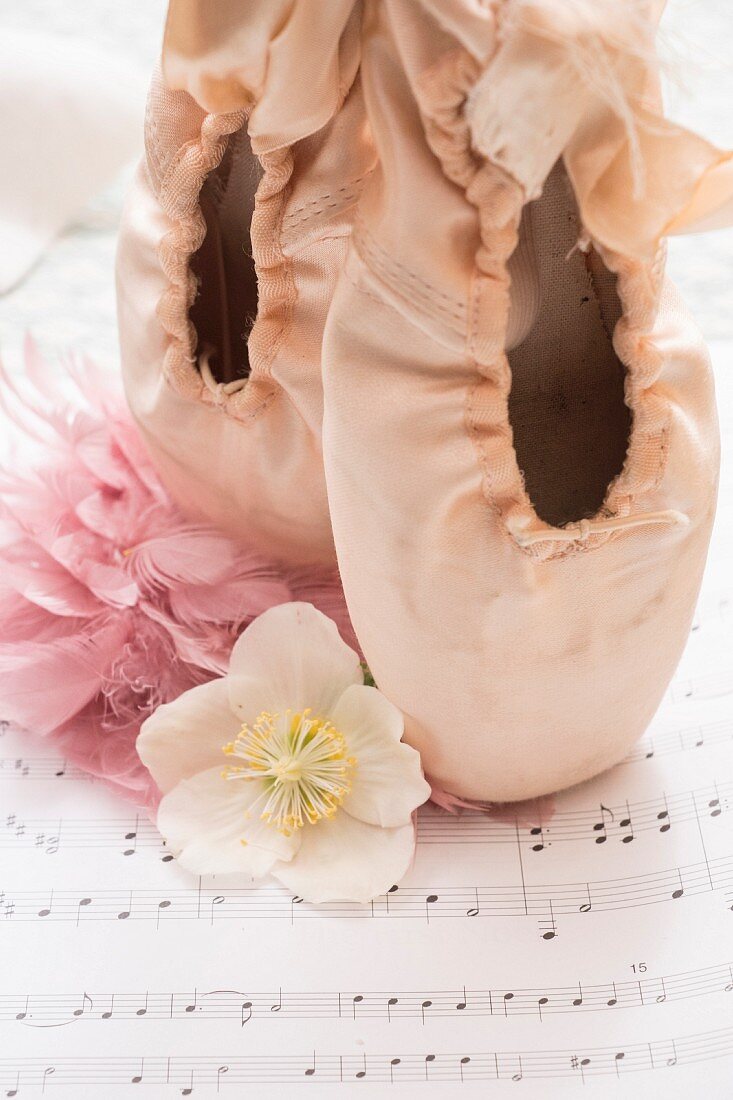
x: 225, y: 307
x: 570, y: 422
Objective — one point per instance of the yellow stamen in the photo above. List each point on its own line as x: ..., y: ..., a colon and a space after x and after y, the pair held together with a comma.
x: 303, y: 762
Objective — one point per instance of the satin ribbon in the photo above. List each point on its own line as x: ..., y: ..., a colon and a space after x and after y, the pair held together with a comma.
x: 579, y: 79
x: 571, y: 78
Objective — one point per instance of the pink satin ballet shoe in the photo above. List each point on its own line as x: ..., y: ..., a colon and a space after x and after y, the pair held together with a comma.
x: 239, y: 219
x: 520, y: 432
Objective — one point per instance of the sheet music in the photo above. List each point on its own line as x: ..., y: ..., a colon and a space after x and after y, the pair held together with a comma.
x: 584, y: 947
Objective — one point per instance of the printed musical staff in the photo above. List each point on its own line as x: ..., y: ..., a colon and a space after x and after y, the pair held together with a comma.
x: 620, y: 823
x: 135, y: 834
x: 245, y: 1007
x: 696, y: 737
x: 185, y: 1073
x: 125, y: 835
x: 706, y: 685
x: 41, y: 767
x: 545, y: 903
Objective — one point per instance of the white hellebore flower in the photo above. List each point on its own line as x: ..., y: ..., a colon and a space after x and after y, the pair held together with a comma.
x: 289, y: 764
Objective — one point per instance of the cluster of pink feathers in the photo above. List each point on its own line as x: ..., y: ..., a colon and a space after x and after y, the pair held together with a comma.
x: 111, y: 602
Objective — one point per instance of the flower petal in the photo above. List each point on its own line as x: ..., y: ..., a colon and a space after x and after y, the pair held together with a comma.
x: 388, y: 783
x: 204, y: 820
x: 293, y: 657
x: 343, y: 859
x: 186, y: 736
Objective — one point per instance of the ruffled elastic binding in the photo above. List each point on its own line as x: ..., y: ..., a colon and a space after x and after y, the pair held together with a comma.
x: 445, y: 92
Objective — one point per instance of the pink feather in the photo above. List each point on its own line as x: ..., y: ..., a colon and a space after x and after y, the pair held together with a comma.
x: 45, y: 683
x: 111, y: 602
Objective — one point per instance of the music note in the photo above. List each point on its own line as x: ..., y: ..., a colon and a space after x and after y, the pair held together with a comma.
x: 48, y: 1072
x: 539, y: 845
x: 126, y: 912
x: 463, y: 1062
x: 618, y: 1058
x: 22, y: 1015
x: 310, y: 1072
x: 86, y: 1000
x: 107, y: 1015
x: 279, y: 1003
x: 394, y: 1062
x: 581, y: 1064
x: 429, y: 900
x: 246, y: 1013
x: 47, y: 911
x: 519, y: 1075
x: 391, y: 1002
x: 162, y: 906
x: 192, y: 1007
x: 423, y: 1007
x: 507, y: 998
x: 663, y: 816
x: 462, y: 1004
x: 475, y: 909
x: 613, y: 1000
x: 361, y: 1074
x: 626, y: 823
x: 588, y: 903
x: 219, y: 1074
x: 680, y: 889
x: 549, y: 925
x: 600, y: 826
x: 429, y: 1059
x: 714, y: 805
x: 137, y: 1079
x: 14, y: 1091
x: 293, y: 902
x: 579, y: 999
x: 81, y: 904
x: 189, y: 1089
x: 218, y: 900
x: 132, y: 836
x: 144, y: 1010
x: 542, y: 1001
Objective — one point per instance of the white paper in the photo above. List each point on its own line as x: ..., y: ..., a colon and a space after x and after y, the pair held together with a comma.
x: 587, y: 954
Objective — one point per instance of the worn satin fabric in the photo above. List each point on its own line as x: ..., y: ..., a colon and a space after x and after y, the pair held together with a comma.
x: 518, y: 672
x: 533, y: 104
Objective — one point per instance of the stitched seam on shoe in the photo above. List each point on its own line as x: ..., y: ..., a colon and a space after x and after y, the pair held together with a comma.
x: 432, y: 293
x: 329, y: 210
x: 316, y: 202
x: 419, y: 300
x: 376, y: 296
